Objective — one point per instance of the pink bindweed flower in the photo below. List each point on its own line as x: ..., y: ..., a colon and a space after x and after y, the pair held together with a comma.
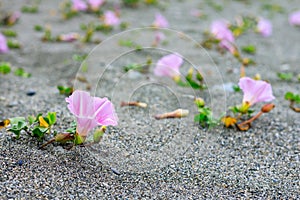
x: 3, y: 44
x: 264, y: 27
x: 69, y: 37
x: 255, y: 91
x: 169, y: 66
x: 91, y: 111
x: 79, y: 5
x: 294, y: 18
x: 111, y: 18
x: 159, y: 37
x: 160, y: 21
x: 95, y: 4
x: 221, y: 31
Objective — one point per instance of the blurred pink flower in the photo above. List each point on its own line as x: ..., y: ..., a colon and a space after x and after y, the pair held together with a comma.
x: 159, y: 37
x: 169, y: 66
x: 160, y: 21
x: 225, y: 44
x: 264, y: 27
x: 255, y: 91
x: 221, y: 31
x: 91, y: 111
x: 3, y: 44
x: 13, y: 18
x: 294, y: 18
x: 111, y: 18
x: 79, y: 5
x: 95, y: 4
x: 69, y: 37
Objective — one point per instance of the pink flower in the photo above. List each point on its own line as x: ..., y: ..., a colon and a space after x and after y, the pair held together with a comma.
x: 221, y: 31
x: 264, y: 27
x: 255, y: 91
x: 111, y: 19
x: 79, y: 5
x: 13, y: 18
x: 3, y: 44
x: 69, y: 37
x: 169, y: 66
x: 294, y: 18
x: 91, y: 111
x: 159, y: 37
x: 225, y: 44
x: 95, y: 4
x: 160, y: 21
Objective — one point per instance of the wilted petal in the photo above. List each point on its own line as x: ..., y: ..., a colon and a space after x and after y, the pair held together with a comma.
x: 168, y: 66
x: 3, y: 44
x: 255, y: 91
x: 111, y: 18
x: 294, y: 18
x: 160, y: 21
x: 264, y: 27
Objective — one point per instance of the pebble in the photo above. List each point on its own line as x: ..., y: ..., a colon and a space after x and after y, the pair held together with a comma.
x: 20, y: 162
x: 30, y: 93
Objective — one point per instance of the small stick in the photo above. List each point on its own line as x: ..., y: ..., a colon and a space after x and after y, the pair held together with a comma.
x: 134, y: 103
x: 179, y: 113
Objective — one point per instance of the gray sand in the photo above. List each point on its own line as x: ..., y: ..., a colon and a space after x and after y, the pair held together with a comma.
x: 143, y: 158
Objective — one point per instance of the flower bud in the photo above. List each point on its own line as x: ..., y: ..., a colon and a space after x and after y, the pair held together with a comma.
x: 267, y: 107
x: 99, y: 134
x: 199, y: 102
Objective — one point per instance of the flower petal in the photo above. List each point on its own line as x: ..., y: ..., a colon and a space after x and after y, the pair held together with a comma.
x: 168, y: 65
x: 105, y: 112
x: 255, y: 91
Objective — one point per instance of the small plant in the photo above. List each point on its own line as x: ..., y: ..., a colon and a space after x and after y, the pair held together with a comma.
x: 30, y: 9
x: 255, y: 91
x: 294, y: 99
x: 5, y: 68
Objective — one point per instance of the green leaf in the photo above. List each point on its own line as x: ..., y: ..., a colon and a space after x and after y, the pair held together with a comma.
x: 9, y: 33
x: 236, y: 88
x: 39, y: 131
x: 289, y: 96
x: 30, y: 9
x: 79, y: 58
x: 17, y: 125
x: 38, y: 28
x: 297, y: 98
x: 65, y: 90
x: 31, y: 119
x: 51, y: 118
x: 13, y: 44
x: 5, y: 67
x: 250, y: 49
x: 285, y: 76
x: 20, y: 72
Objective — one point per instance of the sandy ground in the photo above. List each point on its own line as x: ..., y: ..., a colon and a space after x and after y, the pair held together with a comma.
x: 143, y: 157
